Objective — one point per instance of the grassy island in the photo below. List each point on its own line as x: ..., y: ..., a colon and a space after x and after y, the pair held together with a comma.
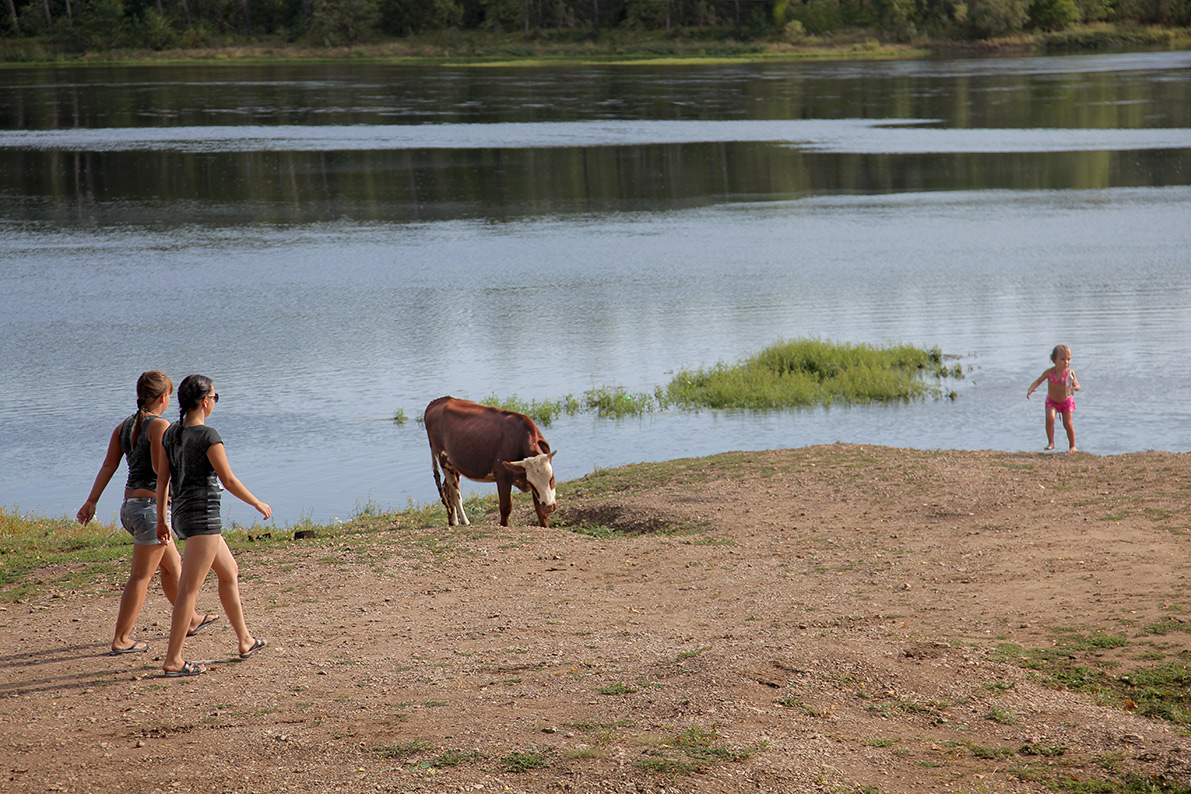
x: 798, y: 373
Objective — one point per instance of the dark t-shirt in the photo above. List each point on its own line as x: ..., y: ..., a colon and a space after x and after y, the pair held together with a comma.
x: 140, y: 457
x: 194, y: 485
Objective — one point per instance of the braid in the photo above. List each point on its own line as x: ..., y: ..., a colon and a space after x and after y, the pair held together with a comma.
x: 191, y: 393
x: 149, y: 386
x: 136, y: 422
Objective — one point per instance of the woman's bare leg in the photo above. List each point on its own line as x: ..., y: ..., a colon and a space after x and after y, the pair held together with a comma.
x: 144, y: 563
x: 196, y: 564
x: 228, y: 571
x: 171, y: 570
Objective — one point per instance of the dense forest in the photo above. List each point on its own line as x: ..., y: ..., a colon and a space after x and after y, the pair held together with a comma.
x: 89, y: 25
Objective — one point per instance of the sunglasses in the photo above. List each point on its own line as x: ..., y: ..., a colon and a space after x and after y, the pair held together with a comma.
x: 214, y: 396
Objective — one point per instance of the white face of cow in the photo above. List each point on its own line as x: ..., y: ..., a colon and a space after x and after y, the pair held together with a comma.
x: 540, y: 474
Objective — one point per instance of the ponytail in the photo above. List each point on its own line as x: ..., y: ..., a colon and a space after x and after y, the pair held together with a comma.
x: 149, y: 386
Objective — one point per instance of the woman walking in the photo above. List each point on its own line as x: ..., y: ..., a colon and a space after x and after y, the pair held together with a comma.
x: 136, y: 438
x: 194, y: 464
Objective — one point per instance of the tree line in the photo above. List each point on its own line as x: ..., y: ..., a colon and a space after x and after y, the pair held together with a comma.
x: 88, y: 25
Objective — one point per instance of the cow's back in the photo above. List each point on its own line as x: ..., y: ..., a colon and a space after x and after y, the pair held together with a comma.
x: 474, y: 437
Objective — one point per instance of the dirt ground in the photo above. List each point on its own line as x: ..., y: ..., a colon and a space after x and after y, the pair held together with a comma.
x: 838, y: 618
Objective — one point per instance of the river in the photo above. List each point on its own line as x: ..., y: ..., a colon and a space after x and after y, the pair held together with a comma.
x: 336, y: 243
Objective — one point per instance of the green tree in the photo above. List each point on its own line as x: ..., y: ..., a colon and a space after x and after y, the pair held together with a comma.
x: 343, y: 21
x: 153, y: 30
x: 897, y: 17
x: 402, y: 17
x: 987, y: 18
x: 1054, y: 14
x: 12, y: 16
x: 819, y: 16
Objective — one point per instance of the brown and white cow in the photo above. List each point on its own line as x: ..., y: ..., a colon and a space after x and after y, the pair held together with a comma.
x: 488, y: 444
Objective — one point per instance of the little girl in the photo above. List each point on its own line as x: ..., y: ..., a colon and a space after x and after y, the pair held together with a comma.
x: 1061, y: 384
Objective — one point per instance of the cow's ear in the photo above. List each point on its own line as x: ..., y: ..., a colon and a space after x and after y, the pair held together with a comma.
x: 514, y: 468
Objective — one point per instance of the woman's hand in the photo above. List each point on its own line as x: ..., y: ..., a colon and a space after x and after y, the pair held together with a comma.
x: 86, y: 512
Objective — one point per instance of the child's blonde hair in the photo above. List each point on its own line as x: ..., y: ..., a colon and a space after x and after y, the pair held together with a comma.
x: 1060, y: 349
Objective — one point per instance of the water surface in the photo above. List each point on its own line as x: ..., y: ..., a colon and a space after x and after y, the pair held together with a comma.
x: 334, y: 243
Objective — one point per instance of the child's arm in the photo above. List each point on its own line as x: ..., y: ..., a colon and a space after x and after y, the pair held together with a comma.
x: 1074, y: 382
x: 1036, y: 384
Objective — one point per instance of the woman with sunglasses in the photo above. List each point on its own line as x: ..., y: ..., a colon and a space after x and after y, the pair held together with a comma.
x: 135, y: 439
x: 193, y: 465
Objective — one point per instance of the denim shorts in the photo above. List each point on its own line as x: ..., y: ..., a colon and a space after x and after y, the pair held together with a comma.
x: 138, y: 514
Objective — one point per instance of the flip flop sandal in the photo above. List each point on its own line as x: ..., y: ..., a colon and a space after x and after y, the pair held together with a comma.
x: 130, y: 649
x: 208, y: 619
x: 256, y: 646
x: 188, y: 669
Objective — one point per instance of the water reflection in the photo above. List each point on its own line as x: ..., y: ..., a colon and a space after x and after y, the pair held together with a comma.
x: 1126, y: 91
x: 419, y: 185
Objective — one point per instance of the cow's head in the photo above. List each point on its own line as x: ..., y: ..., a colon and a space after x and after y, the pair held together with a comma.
x: 536, y: 474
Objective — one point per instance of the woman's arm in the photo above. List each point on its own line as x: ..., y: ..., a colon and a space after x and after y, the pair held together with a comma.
x: 111, y: 463
x: 161, y: 465
x: 218, y: 457
x: 157, y: 430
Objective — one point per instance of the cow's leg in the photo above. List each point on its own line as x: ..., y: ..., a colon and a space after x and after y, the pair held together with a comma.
x: 504, y: 492
x: 455, y: 514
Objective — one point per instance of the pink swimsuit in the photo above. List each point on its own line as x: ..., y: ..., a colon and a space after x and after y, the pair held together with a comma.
x: 1066, y: 406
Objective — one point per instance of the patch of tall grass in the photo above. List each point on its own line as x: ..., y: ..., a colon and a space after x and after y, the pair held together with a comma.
x: 616, y: 402
x: 29, y: 542
x: 804, y: 372
x: 788, y: 374
x: 543, y: 412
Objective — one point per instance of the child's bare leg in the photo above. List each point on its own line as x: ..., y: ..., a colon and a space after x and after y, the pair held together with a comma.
x: 1050, y: 427
x: 1069, y: 426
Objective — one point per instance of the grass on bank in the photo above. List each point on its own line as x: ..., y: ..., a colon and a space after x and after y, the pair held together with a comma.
x: 39, y: 554
x: 486, y: 48
x: 789, y: 374
x: 620, y: 46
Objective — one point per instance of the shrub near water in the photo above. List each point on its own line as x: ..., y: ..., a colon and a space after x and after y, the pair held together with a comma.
x: 810, y: 371
x: 785, y: 375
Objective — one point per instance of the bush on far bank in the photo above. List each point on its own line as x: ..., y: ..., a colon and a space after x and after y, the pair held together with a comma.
x: 90, y: 26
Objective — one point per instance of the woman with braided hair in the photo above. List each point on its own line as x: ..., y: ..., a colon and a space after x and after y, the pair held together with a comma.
x: 136, y: 438
x: 194, y: 464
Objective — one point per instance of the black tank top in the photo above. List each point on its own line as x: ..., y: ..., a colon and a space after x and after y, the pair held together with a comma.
x: 140, y: 457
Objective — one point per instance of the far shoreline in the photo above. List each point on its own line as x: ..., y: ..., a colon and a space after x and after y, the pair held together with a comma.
x: 513, y: 51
